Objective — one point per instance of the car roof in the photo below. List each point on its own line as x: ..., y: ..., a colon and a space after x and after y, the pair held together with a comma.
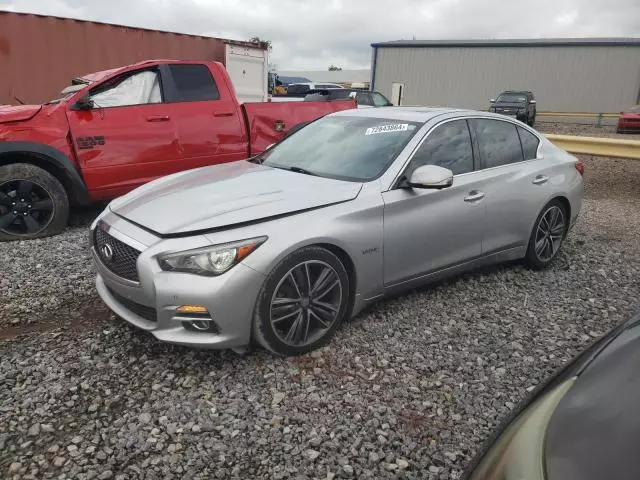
x: 417, y: 114
x: 411, y: 114
x: 516, y: 91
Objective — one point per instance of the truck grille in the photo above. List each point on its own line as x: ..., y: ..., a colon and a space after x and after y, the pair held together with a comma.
x: 148, y: 313
x: 117, y: 256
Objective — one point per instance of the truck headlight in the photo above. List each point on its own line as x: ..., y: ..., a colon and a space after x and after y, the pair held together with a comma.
x: 210, y: 261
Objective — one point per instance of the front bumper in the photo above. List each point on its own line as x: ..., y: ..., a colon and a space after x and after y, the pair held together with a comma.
x: 151, y: 303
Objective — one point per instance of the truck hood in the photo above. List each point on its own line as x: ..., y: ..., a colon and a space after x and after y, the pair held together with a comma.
x: 226, y: 195
x: 20, y: 113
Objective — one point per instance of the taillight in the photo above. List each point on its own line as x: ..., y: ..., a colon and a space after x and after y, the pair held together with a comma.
x: 580, y: 167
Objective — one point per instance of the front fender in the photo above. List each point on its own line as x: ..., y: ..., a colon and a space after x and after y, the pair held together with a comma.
x: 48, y: 157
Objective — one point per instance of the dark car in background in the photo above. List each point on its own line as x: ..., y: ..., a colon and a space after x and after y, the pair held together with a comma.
x: 520, y: 104
x: 629, y: 121
x: 582, y: 424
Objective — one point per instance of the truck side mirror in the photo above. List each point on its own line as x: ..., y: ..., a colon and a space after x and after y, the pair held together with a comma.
x: 83, y: 103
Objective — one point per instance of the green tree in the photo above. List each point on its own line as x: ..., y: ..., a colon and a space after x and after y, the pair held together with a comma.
x: 333, y: 68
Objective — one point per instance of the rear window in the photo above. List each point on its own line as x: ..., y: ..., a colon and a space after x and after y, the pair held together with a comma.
x: 193, y: 83
x: 529, y: 144
x: 298, y: 89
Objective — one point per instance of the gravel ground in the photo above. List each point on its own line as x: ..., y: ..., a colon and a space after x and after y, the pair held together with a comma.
x: 409, y: 389
x: 584, y: 130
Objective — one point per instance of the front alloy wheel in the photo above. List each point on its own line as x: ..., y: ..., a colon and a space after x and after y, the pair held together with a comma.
x: 303, y: 301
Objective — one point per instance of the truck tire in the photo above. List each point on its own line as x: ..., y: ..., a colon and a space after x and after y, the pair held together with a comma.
x: 33, y: 203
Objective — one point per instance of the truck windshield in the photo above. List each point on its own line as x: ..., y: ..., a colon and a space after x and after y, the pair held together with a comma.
x: 346, y: 148
x: 512, y: 98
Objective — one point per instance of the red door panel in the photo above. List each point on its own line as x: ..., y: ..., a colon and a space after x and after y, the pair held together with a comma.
x: 263, y: 118
x: 210, y: 132
x: 120, y: 148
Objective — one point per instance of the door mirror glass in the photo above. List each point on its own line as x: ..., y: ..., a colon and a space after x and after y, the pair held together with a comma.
x: 532, y: 102
x: 83, y: 103
x: 431, y: 176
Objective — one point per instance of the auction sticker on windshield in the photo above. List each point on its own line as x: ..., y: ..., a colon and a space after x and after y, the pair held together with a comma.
x: 398, y: 127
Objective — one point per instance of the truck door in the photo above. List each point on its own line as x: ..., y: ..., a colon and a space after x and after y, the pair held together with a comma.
x: 127, y: 137
x: 207, y: 117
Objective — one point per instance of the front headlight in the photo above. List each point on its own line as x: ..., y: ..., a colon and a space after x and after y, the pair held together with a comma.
x: 210, y: 261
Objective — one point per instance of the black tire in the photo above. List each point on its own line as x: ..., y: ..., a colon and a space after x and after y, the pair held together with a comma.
x: 534, y: 258
x: 264, y: 332
x: 45, y: 209
x: 295, y: 128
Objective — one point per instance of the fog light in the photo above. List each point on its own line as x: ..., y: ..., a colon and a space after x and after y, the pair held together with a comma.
x: 193, y: 309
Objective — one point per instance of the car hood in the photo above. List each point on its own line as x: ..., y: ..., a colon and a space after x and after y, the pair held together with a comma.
x: 19, y: 113
x: 225, y: 195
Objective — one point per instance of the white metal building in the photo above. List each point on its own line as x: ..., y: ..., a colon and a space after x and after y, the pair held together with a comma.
x: 566, y: 75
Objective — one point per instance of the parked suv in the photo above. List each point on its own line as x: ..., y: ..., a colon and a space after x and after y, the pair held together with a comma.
x: 520, y: 104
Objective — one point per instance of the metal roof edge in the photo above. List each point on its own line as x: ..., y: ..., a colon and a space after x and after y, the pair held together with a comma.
x: 131, y: 27
x: 539, y: 42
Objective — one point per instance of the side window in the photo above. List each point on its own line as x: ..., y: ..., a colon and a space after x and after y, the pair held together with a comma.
x: 448, y: 146
x: 364, y: 98
x: 379, y: 100
x: 139, y: 88
x: 499, y: 143
x: 194, y: 83
x: 529, y: 144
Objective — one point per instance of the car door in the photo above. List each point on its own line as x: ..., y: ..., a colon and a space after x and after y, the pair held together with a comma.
x: 128, y: 137
x: 515, y: 182
x: 208, y: 123
x: 430, y: 230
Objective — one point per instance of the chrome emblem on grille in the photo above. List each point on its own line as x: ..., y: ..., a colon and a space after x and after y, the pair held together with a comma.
x: 107, y: 252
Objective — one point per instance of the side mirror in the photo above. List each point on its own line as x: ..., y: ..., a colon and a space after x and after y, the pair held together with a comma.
x: 431, y: 176
x: 83, y: 103
x: 493, y: 100
x: 532, y: 102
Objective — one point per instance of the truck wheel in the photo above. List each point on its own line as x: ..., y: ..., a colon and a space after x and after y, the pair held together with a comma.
x: 33, y: 203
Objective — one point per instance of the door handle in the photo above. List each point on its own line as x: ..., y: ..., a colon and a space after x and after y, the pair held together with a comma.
x: 158, y: 118
x: 540, y: 179
x: 223, y: 114
x: 474, y: 196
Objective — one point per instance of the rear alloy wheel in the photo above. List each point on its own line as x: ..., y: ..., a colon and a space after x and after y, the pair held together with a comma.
x: 548, y: 235
x: 302, y: 302
x: 33, y: 203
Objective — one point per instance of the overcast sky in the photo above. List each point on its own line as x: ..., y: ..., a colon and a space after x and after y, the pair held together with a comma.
x: 313, y: 34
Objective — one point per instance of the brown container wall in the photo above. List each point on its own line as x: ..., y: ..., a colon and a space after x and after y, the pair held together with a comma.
x: 40, y: 55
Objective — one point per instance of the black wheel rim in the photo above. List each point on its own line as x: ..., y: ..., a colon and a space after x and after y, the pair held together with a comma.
x: 306, y: 303
x: 26, y: 208
x: 550, y: 233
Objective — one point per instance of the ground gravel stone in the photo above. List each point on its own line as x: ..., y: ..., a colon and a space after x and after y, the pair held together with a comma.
x: 409, y: 389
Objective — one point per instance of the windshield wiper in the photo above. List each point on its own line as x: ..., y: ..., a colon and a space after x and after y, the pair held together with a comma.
x: 301, y: 170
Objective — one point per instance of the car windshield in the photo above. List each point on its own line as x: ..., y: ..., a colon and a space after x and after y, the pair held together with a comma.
x: 346, y: 148
x: 512, y: 98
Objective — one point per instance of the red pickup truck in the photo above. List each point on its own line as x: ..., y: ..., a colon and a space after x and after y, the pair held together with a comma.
x: 112, y: 131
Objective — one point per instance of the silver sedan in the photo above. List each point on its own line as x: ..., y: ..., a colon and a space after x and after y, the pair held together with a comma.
x: 280, y: 249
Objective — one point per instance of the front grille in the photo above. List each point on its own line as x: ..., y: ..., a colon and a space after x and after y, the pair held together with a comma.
x: 148, y: 313
x: 117, y: 256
